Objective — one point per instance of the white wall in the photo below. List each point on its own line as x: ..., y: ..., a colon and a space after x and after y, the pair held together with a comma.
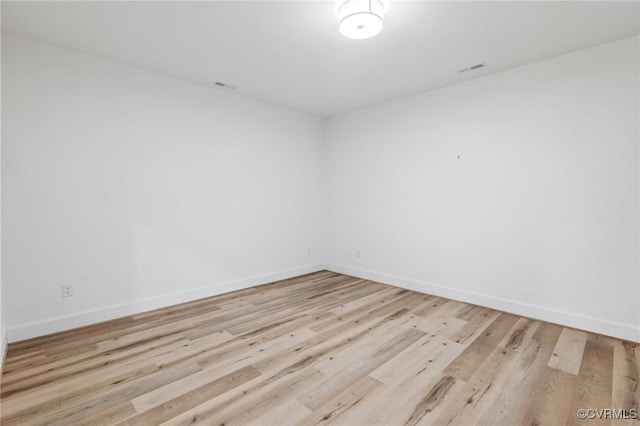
x: 3, y: 341
x: 142, y: 190
x: 134, y: 187
x: 540, y: 214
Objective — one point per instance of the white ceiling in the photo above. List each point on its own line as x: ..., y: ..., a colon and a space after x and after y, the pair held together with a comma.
x: 291, y: 54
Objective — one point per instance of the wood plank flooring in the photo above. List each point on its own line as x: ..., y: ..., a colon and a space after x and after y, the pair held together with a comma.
x: 321, y: 349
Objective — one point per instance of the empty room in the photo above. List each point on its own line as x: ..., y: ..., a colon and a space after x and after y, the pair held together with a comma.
x: 352, y: 212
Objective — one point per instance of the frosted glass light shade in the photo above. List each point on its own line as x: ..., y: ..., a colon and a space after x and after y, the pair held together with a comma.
x: 360, y: 19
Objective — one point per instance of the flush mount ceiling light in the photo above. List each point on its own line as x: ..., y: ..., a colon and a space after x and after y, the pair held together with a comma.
x: 360, y: 19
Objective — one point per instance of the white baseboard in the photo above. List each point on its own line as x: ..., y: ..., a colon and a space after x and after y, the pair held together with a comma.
x: 3, y: 349
x: 41, y: 328
x: 53, y: 325
x: 596, y: 325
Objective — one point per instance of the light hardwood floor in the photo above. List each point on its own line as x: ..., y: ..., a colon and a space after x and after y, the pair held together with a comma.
x: 319, y: 349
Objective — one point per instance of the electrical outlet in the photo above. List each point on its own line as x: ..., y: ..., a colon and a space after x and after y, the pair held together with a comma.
x: 67, y: 290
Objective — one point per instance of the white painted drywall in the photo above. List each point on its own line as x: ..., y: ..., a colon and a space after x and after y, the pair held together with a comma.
x: 142, y: 190
x: 538, y: 216
x: 3, y: 341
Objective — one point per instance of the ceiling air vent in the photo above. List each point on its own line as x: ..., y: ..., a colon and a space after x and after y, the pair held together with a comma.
x: 473, y: 67
x: 224, y: 85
